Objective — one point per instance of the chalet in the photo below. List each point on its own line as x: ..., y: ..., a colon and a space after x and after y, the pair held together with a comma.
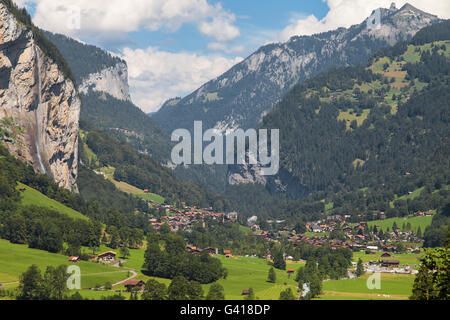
x: 133, y: 284
x: 291, y: 271
x: 22, y: 189
x: 74, y: 259
x: 147, y: 191
x: 390, y: 263
x: 386, y: 255
x: 107, y: 256
x: 226, y: 252
x: 192, y: 249
x: 245, y: 292
x: 347, y: 229
x: 211, y: 251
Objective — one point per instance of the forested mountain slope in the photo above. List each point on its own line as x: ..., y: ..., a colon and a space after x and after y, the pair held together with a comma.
x: 358, y: 137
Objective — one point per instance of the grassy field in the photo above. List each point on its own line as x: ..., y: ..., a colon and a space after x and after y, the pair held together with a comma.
x: 404, y: 258
x: 243, y: 273
x: 16, y: 259
x: 34, y: 197
x: 127, y: 188
x: 415, y: 222
x: 152, y: 197
x: 393, y: 287
x: 349, y: 116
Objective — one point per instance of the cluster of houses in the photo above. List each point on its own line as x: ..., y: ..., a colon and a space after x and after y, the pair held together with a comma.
x: 187, y: 217
x: 105, y: 257
x: 127, y: 132
x: 356, y: 236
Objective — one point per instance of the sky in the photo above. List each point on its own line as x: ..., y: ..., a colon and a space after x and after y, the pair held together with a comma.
x: 172, y: 47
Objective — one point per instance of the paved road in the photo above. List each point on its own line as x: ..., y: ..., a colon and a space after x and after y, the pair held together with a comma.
x: 123, y: 281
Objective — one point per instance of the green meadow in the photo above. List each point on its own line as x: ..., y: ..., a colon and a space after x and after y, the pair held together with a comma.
x: 415, y: 222
x: 392, y: 287
x: 127, y: 188
x: 404, y: 258
x: 152, y: 197
x: 16, y: 259
x: 34, y: 197
x: 243, y: 273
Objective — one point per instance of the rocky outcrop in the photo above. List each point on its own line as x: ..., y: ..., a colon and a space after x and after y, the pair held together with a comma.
x: 111, y: 80
x: 39, y: 106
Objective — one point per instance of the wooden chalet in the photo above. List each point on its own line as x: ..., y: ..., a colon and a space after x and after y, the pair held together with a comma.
x: 389, y: 263
x: 133, y: 284
x: 107, y: 256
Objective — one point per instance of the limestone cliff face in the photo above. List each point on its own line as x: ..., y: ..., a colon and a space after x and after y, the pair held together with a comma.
x: 112, y: 80
x: 39, y: 107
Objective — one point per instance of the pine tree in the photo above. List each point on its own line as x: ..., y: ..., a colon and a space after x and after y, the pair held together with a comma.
x: 272, y: 276
x: 359, y: 268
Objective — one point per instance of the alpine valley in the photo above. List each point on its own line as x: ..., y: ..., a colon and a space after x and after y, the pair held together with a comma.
x: 86, y: 177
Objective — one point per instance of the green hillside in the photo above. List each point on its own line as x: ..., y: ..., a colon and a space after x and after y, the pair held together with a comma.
x: 34, y: 197
x: 415, y: 222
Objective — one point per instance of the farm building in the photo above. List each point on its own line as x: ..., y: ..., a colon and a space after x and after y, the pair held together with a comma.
x: 245, y: 292
x: 386, y: 255
x: 390, y: 263
x: 132, y: 285
x: 74, y: 259
x: 291, y: 271
x: 107, y: 256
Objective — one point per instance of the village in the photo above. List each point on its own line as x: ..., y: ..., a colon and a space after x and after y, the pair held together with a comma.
x: 334, y: 230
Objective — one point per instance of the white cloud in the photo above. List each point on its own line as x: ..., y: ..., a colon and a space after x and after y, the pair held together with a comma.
x: 345, y: 13
x: 122, y: 16
x: 218, y: 46
x: 219, y: 28
x: 156, y: 76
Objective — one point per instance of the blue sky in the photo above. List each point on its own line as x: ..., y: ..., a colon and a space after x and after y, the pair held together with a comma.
x: 252, y: 17
x: 256, y: 20
x: 172, y: 47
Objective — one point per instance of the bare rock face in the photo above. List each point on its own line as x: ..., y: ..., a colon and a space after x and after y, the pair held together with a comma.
x: 112, y: 80
x: 39, y: 107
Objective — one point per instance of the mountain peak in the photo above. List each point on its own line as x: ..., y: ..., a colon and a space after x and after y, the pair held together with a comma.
x: 408, y: 9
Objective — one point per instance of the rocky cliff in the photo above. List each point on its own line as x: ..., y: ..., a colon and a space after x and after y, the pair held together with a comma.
x: 39, y: 105
x: 112, y: 80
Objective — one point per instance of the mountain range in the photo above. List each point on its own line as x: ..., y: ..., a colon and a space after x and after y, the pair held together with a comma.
x: 242, y: 96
